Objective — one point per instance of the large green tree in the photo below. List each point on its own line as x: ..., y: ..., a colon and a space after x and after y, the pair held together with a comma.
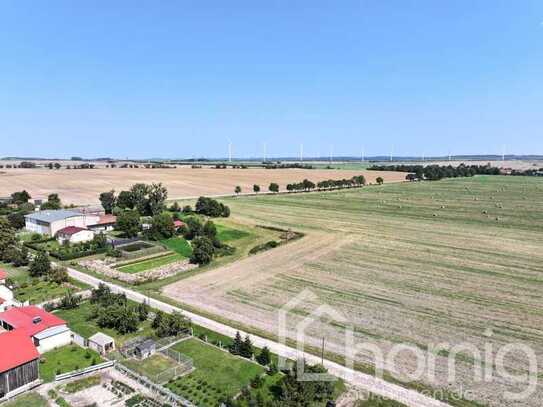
x: 107, y: 199
x: 157, y: 196
x: 162, y: 227
x: 40, y: 266
x: 7, y: 235
x: 202, y: 250
x: 128, y: 222
x: 139, y: 194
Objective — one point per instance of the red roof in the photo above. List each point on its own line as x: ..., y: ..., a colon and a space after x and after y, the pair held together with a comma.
x: 2, y: 301
x: 30, y: 320
x: 16, y: 349
x: 178, y: 223
x: 107, y: 219
x: 3, y: 275
x: 70, y: 230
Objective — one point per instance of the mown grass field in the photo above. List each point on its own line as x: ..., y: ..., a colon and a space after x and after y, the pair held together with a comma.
x: 144, y: 265
x: 66, y: 359
x: 413, y: 263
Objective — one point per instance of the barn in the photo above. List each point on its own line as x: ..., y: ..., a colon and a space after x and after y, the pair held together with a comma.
x: 19, y: 363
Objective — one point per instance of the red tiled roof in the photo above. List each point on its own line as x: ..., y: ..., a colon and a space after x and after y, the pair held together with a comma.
x: 70, y: 230
x: 107, y: 219
x: 16, y: 349
x: 2, y: 301
x: 22, y: 319
x: 3, y: 275
x: 178, y: 223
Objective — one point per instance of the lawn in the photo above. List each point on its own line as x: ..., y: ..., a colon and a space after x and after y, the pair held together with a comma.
x: 153, y: 367
x: 27, y: 400
x: 150, y: 264
x: 217, y: 373
x: 79, y: 321
x: 66, y: 359
x: 227, y: 234
x: 178, y: 245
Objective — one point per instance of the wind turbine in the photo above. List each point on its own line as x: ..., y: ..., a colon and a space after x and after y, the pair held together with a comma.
x: 229, y: 150
x: 362, y: 155
x: 391, y: 152
x: 301, y: 152
x: 265, y: 147
x: 331, y: 152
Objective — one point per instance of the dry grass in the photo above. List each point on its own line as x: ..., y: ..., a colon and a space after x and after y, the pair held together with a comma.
x: 84, y: 186
x: 416, y: 263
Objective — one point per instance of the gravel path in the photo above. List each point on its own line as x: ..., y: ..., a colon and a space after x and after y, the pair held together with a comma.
x: 355, y: 378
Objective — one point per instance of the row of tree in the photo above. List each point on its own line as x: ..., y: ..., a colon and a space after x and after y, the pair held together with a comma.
x: 436, y: 172
x: 307, y: 185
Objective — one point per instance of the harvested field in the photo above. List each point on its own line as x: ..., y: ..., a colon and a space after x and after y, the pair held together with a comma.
x: 413, y: 263
x: 84, y: 186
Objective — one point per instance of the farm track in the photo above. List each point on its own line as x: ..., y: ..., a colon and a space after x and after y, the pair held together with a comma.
x: 411, y: 263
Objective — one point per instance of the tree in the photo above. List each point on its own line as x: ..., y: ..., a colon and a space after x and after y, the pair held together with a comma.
x: 53, y: 202
x: 379, y: 180
x: 210, y: 207
x: 273, y: 187
x: 237, y: 190
x: 175, y: 207
x: 209, y: 230
x: 20, y: 197
x: 264, y: 357
x: 143, y: 311
x: 256, y: 188
x: 108, y: 200
x: 40, y: 265
x: 170, y: 324
x: 162, y: 227
x: 157, y: 320
x: 17, y: 220
x: 7, y: 235
x: 128, y: 222
x: 202, y: 251
x: 295, y: 392
x: 237, y: 345
x: 70, y: 301
x: 125, y: 200
x: 139, y: 194
x: 57, y: 166
x: 247, y: 348
x: 193, y: 228
x: 157, y: 198
x: 57, y: 275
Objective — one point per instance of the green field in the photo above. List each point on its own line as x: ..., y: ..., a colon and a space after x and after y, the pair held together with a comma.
x: 79, y: 320
x: 411, y: 263
x: 178, y: 245
x: 150, y: 264
x: 66, y: 359
x: 227, y: 234
x: 27, y: 400
x: 223, y: 373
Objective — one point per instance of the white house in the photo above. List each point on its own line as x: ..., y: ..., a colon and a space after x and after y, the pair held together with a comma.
x: 46, y: 330
x: 101, y: 343
x: 49, y: 222
x: 74, y: 234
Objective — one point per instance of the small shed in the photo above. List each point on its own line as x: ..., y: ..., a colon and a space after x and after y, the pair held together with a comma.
x: 145, y: 349
x: 101, y: 343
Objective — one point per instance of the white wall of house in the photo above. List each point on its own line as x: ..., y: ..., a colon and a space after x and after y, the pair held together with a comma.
x: 78, y: 221
x: 33, y: 226
x: 52, y: 228
x: 55, y: 341
x: 82, y: 236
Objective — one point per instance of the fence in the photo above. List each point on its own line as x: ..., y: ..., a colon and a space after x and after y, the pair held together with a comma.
x: 169, y: 396
x: 80, y: 372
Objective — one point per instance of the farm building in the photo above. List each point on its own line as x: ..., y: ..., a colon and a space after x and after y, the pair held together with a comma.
x: 145, y: 349
x: 74, y: 234
x: 105, y: 223
x: 49, y: 222
x: 46, y: 330
x: 19, y: 368
x: 101, y: 343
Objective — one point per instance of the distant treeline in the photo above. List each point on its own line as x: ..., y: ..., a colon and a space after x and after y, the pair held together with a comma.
x: 275, y: 166
x: 437, y: 172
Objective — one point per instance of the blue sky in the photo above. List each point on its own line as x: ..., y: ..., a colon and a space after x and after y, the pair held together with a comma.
x: 178, y: 78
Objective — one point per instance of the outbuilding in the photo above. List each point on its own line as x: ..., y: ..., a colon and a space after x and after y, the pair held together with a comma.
x: 49, y: 222
x: 101, y: 343
x: 145, y: 349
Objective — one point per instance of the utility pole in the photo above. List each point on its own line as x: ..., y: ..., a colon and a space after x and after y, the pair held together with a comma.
x: 301, y: 152
x: 322, y: 352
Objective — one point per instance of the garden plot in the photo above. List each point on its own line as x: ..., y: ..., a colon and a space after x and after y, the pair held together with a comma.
x: 413, y: 263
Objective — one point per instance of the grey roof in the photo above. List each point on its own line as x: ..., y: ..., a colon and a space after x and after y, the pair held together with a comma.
x: 52, y: 215
x: 101, y: 339
x: 47, y: 333
x: 146, y: 345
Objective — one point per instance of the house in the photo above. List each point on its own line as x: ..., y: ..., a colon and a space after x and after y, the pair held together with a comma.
x: 101, y: 343
x: 49, y: 222
x: 19, y: 363
x: 105, y: 223
x: 145, y: 349
x: 178, y: 224
x: 46, y: 330
x: 74, y: 234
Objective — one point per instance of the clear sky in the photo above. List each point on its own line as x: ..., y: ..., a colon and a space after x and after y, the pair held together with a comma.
x: 178, y: 78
